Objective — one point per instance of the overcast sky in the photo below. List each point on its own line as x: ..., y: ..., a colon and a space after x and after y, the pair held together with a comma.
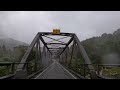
x: 24, y: 25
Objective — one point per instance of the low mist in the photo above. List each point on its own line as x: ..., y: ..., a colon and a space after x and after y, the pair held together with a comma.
x: 112, y: 58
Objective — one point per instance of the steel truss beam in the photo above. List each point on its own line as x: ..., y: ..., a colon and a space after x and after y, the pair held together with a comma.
x: 59, y: 39
x: 44, y: 43
x: 54, y: 39
x: 61, y: 34
x: 86, y: 58
x: 39, y: 37
x: 24, y: 58
x: 67, y: 45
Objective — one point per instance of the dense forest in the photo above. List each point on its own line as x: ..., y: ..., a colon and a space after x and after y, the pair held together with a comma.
x: 104, y: 49
x: 7, y: 55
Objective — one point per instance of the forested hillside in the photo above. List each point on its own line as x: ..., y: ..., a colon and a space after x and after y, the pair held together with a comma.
x: 104, y: 49
x: 11, y: 50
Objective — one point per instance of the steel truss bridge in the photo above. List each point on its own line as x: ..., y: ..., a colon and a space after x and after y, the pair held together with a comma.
x: 60, y: 57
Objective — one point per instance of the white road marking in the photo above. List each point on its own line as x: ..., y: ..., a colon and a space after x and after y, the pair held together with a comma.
x: 67, y: 71
x: 44, y: 71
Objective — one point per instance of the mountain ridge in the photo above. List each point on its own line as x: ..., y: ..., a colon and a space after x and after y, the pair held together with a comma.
x: 10, y: 43
x: 106, y: 45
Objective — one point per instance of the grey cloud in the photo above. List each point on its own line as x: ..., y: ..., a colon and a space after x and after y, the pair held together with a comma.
x: 25, y: 25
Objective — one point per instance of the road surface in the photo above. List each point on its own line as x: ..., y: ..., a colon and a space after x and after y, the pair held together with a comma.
x: 55, y: 71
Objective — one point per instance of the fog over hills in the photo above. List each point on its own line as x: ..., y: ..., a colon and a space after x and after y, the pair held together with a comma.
x: 10, y: 43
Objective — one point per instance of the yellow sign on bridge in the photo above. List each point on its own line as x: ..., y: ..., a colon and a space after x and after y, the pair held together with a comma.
x: 56, y: 31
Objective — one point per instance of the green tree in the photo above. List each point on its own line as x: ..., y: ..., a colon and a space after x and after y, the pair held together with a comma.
x: 4, y: 49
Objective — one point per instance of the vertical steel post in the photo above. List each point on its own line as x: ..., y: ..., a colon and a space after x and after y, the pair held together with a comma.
x: 40, y: 53
x: 36, y: 59
x: 66, y: 57
x: 75, y: 56
x: 27, y: 67
x: 13, y: 67
x: 84, y: 66
x: 72, y: 52
x: 98, y: 69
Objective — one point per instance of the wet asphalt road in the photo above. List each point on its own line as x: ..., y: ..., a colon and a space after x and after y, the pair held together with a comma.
x: 55, y: 71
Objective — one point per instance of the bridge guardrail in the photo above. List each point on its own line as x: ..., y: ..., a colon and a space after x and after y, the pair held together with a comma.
x: 11, y: 68
x: 73, y: 72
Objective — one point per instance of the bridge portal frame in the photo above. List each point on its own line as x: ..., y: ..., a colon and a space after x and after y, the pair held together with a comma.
x: 20, y: 68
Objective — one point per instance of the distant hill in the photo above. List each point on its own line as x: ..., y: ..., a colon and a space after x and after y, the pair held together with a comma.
x: 11, y: 43
x: 104, y: 49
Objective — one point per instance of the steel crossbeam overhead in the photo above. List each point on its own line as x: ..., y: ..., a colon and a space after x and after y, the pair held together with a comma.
x: 54, y: 39
x: 55, y: 48
x: 56, y: 43
x: 44, y: 43
x: 61, y: 34
x: 59, y: 39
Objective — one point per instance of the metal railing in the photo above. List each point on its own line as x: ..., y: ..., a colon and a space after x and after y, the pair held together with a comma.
x: 11, y: 67
x: 103, y: 71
